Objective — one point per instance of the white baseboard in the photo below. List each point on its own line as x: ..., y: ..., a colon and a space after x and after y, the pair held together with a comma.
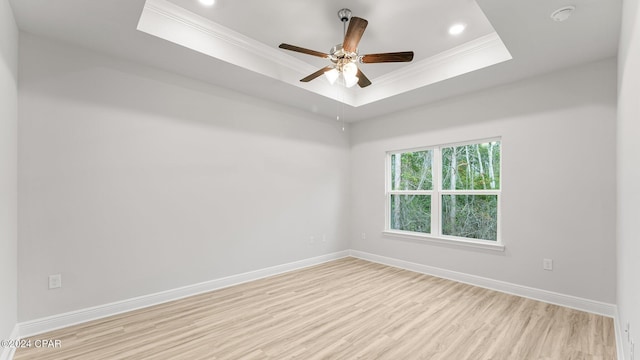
x: 8, y: 352
x: 50, y: 323
x: 618, y: 326
x: 569, y: 301
x: 39, y: 326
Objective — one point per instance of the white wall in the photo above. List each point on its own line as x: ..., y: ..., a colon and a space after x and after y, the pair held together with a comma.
x: 8, y: 169
x: 629, y: 174
x: 134, y: 181
x: 558, y: 199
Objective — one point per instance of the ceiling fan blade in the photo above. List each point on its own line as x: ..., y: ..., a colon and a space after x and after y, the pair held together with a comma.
x: 404, y: 56
x: 354, y: 34
x: 316, y: 74
x: 363, y: 81
x: 303, y: 50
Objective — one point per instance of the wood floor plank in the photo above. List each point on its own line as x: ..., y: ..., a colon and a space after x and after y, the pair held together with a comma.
x: 344, y: 309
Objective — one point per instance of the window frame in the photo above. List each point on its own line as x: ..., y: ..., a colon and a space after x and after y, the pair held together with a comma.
x: 436, y: 193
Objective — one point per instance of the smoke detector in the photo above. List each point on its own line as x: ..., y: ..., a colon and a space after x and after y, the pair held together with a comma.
x: 563, y: 13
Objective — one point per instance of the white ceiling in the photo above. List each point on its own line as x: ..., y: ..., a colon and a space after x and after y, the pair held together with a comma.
x: 315, y: 25
x: 480, y: 47
x: 536, y: 43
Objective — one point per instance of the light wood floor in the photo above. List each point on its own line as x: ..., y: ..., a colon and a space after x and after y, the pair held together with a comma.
x: 344, y: 309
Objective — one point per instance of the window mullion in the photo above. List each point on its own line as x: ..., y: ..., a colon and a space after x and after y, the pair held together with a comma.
x: 474, y: 202
x: 469, y: 192
x: 411, y: 192
x: 435, y: 198
x: 387, y: 189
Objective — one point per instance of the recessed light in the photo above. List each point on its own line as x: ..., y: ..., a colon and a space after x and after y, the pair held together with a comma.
x: 207, y: 2
x: 563, y: 13
x: 457, y: 29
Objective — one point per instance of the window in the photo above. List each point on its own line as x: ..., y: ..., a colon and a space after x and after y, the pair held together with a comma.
x: 449, y: 192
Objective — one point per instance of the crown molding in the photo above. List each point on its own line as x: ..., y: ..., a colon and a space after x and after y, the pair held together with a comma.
x: 166, y: 20
x: 221, y: 33
x: 474, y: 55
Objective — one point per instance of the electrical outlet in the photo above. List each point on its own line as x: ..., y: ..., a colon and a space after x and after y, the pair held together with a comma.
x: 55, y: 281
x: 547, y: 264
x: 364, y: 236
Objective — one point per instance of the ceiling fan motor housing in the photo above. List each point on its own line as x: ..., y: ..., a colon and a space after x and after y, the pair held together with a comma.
x: 340, y: 57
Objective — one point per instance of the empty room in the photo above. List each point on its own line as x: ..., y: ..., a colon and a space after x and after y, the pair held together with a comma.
x: 218, y: 179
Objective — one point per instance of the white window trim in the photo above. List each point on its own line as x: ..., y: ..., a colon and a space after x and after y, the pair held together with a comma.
x: 436, y: 194
x: 445, y: 240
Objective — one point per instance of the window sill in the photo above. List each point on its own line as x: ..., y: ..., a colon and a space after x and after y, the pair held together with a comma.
x: 479, y: 244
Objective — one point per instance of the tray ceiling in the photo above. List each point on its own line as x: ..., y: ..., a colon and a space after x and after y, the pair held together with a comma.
x: 239, y: 37
x: 236, y: 44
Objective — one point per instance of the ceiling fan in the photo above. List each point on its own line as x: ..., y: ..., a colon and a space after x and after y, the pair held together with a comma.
x: 345, y: 56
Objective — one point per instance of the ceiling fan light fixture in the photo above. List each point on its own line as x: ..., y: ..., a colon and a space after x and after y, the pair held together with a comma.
x: 345, y: 56
x: 332, y: 75
x: 350, y: 81
x: 350, y: 69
